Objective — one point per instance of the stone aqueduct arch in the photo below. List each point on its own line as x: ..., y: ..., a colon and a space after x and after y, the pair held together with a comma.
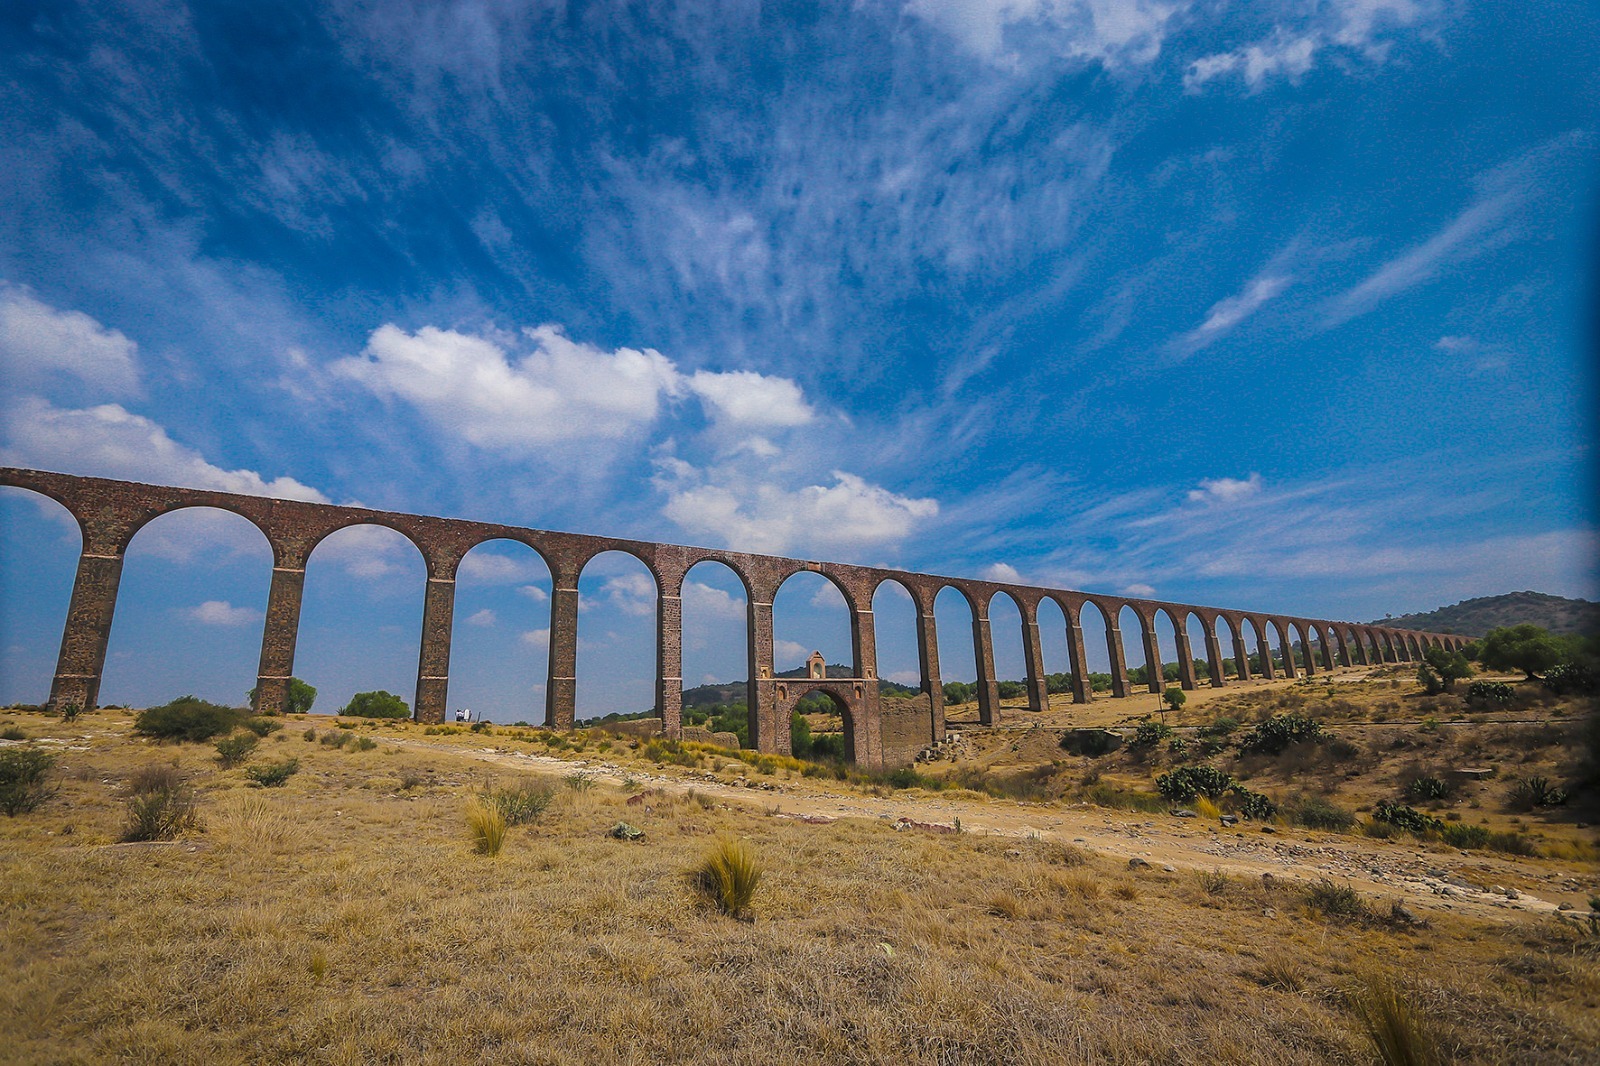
x: 109, y: 513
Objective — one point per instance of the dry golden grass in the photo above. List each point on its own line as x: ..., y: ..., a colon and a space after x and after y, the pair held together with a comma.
x: 345, y: 917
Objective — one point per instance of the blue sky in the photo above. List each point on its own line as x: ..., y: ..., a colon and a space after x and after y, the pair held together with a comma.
x: 1281, y: 305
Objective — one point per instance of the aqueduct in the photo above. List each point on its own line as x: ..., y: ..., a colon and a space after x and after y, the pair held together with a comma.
x: 110, y: 512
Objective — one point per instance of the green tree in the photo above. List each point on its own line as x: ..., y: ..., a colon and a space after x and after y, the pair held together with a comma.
x: 1174, y: 697
x: 1525, y: 647
x: 799, y: 735
x: 379, y: 704
x: 296, y: 700
x: 1451, y: 666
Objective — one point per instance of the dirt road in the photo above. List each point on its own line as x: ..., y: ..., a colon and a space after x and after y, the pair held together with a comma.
x: 1423, y: 877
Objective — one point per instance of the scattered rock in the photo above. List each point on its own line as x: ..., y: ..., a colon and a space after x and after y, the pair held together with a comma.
x: 1268, y: 829
x: 1137, y: 863
x: 624, y: 831
x: 1013, y: 853
x: 1169, y: 869
x: 1268, y: 881
x: 1230, y: 819
x: 1183, y: 812
x: 1564, y: 907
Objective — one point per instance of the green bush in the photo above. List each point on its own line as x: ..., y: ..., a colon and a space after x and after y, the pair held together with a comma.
x: 24, y: 780
x: 1150, y: 734
x: 188, y: 718
x: 161, y: 804
x: 1490, y: 693
x: 362, y: 743
x: 1252, y: 804
x: 336, y: 739
x: 1220, y: 728
x: 1461, y: 835
x: 1280, y: 731
x: 1314, y: 812
x: 273, y: 774
x: 12, y: 732
x: 1403, y: 817
x: 1428, y: 788
x: 379, y: 704
x: 262, y: 727
x: 1536, y: 791
x: 235, y: 749
x: 1336, y: 901
x: 521, y: 803
x: 1572, y: 679
x: 1187, y: 782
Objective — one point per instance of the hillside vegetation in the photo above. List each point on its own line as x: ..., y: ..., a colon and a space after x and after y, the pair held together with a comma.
x: 1474, y: 618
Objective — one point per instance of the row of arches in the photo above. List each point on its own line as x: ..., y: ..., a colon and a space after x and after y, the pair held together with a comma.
x: 1185, y: 644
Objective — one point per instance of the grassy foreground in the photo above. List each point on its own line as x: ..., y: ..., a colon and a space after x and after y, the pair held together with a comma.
x: 348, y: 916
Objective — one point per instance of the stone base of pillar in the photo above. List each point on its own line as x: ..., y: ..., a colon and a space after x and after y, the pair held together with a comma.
x: 272, y: 695
x: 68, y: 689
x: 432, y: 695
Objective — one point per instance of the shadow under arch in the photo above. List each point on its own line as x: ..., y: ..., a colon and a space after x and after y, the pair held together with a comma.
x: 385, y: 576
x: 500, y: 631
x: 955, y: 620
x: 41, y: 541
x: 190, y: 609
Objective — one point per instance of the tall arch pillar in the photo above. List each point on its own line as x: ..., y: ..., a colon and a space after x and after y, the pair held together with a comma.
x: 1155, y: 671
x: 1078, y: 658
x: 281, y: 631
x: 561, y: 683
x: 928, y: 663
x: 82, y: 658
x: 1219, y: 674
x: 1038, y: 687
x: 983, y: 649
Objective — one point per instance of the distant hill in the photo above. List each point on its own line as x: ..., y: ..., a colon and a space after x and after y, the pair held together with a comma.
x: 1474, y: 618
x: 734, y: 691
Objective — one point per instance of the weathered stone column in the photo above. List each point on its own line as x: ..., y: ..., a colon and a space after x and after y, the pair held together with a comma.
x: 1241, y: 653
x: 433, y: 661
x: 1219, y: 673
x: 278, y: 637
x: 1327, y: 649
x: 1289, y: 668
x: 988, y: 687
x: 1187, y: 679
x: 1155, y: 672
x: 1119, y: 660
x: 1308, y: 658
x: 928, y: 663
x: 669, y: 661
x: 1038, y: 687
x: 1082, y: 691
x: 769, y: 731
x: 1360, y: 649
x: 561, y: 685
x: 82, y: 660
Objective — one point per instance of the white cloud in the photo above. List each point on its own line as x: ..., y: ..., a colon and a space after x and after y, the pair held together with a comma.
x: 632, y: 593
x: 747, y: 399
x: 472, y: 387
x: 1111, y: 31
x: 1280, y: 54
x: 537, y: 638
x: 222, y: 613
x: 905, y: 677
x: 108, y: 441
x: 534, y: 593
x: 1004, y: 573
x: 1227, y: 313
x: 703, y: 599
x: 485, y: 617
x: 1224, y: 490
x: 1140, y: 591
x: 788, y: 654
x: 849, y: 514
x: 1363, y: 26
x: 827, y: 596
x: 37, y: 342
x: 490, y: 568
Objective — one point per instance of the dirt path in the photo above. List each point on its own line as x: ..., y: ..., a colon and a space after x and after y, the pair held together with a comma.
x: 1482, y: 884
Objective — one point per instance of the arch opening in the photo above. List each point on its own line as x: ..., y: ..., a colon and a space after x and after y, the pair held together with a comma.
x: 500, y: 634
x: 958, y: 660
x: 1097, y: 650
x: 894, y: 620
x: 191, y: 607
x: 716, y: 643
x: 616, y: 656
x: 361, y: 632
x: 39, y: 546
x: 1007, y: 637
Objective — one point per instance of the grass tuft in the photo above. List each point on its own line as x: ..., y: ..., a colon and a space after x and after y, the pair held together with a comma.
x: 729, y: 876
x: 24, y: 780
x: 1398, y: 1031
x: 488, y: 828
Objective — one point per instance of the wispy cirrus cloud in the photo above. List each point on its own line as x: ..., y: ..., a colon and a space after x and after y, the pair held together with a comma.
x: 1489, y: 221
x: 1363, y: 28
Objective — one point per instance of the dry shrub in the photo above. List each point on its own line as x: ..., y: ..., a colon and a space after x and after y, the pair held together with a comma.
x: 487, y: 826
x: 162, y: 804
x: 24, y: 780
x: 729, y: 876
